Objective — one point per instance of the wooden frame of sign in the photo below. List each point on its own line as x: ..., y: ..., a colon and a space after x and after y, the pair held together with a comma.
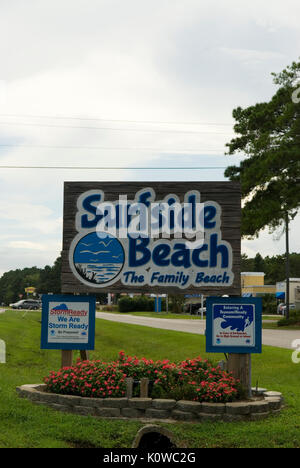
x: 217, y: 264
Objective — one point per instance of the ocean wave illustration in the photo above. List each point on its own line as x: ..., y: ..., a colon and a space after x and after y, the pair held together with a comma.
x: 98, y: 273
x: 98, y: 265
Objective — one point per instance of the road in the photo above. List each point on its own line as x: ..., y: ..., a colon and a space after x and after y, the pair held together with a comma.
x: 278, y: 338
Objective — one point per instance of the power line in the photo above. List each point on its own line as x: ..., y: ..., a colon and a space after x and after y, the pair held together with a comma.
x: 109, y: 148
x: 98, y: 119
x: 112, y: 129
x: 114, y: 167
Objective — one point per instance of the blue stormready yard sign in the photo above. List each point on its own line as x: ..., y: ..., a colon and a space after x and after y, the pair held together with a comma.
x: 68, y: 322
x: 233, y: 325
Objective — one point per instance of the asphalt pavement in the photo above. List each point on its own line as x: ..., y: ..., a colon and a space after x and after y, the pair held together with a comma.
x: 277, y: 338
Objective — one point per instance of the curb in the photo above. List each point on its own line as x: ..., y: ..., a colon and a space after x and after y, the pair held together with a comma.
x: 156, y: 409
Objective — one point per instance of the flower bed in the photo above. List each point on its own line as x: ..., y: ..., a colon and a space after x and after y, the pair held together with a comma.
x: 193, y: 379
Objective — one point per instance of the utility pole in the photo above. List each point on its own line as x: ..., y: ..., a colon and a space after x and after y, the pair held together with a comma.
x: 287, y: 266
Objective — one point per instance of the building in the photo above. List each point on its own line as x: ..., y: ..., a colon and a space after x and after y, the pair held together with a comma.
x: 294, y: 290
x: 253, y: 284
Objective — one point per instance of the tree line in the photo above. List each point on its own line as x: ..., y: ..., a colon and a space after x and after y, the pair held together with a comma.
x: 47, y: 279
x: 14, y: 282
x: 273, y: 267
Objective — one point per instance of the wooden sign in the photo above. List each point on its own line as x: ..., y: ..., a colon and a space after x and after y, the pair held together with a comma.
x: 152, y: 237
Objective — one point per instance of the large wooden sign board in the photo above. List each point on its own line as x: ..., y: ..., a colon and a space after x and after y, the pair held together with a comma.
x: 189, y: 243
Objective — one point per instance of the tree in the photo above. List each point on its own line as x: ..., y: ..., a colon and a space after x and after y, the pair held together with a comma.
x: 247, y: 264
x: 177, y: 301
x: 49, y: 280
x: 269, y: 138
x: 259, y: 264
x: 14, y: 282
x: 273, y: 266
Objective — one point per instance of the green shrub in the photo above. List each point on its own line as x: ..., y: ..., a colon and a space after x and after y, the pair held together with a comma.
x: 269, y: 304
x: 109, y: 308
x: 136, y: 304
x: 125, y: 304
x: 294, y: 319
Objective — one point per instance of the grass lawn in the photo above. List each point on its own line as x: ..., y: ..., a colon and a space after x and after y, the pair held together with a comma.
x: 274, y: 326
x: 23, y: 424
x: 163, y: 315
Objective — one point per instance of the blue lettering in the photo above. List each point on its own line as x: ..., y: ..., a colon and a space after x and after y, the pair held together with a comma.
x: 160, y: 252
x: 87, y: 205
x: 202, y: 278
x: 182, y: 257
x: 143, y: 198
x: 210, y: 212
x: 192, y: 201
x: 171, y: 202
x: 196, y: 256
x: 138, y: 246
x: 216, y: 249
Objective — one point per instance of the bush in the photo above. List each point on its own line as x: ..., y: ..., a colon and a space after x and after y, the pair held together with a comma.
x: 177, y: 303
x: 126, y: 304
x: 269, y: 304
x: 136, y: 304
x: 294, y: 319
x: 192, y: 379
x: 109, y: 308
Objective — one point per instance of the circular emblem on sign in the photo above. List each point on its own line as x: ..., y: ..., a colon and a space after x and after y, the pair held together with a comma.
x: 97, y: 258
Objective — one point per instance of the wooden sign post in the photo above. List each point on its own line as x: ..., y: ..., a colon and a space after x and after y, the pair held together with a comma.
x: 66, y: 357
x: 240, y: 367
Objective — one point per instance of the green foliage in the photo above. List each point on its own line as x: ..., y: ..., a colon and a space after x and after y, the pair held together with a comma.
x: 273, y: 267
x: 136, y: 303
x: 294, y: 319
x: 24, y: 424
x: 109, y: 308
x: 269, y: 304
x: 49, y: 280
x: 14, y: 282
x: 177, y: 302
x: 45, y: 280
x: 269, y: 138
x: 258, y: 263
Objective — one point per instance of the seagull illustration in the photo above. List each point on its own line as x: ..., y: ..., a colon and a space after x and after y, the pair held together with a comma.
x: 94, y: 253
x: 106, y: 245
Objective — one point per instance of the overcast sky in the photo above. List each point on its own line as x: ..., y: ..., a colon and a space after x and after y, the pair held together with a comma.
x: 126, y: 83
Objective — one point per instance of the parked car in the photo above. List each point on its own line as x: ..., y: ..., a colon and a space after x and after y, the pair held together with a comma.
x: 194, y: 309
x: 282, y: 308
x: 29, y: 304
x: 279, y: 308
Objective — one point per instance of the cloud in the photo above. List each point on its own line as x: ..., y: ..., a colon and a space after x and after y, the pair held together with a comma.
x: 26, y: 245
x: 126, y: 62
x: 251, y: 55
x: 273, y: 244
